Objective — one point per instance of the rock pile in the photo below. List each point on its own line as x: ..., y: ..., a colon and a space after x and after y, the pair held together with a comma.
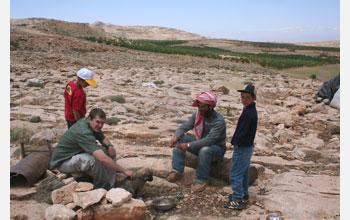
x: 90, y: 203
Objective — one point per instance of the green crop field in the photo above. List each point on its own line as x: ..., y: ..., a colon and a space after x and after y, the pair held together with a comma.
x: 267, y: 60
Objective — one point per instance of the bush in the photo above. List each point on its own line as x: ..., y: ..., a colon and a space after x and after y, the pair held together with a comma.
x: 35, y: 119
x: 112, y: 121
x: 158, y: 82
x: 117, y: 98
x: 313, y: 76
x: 20, y: 133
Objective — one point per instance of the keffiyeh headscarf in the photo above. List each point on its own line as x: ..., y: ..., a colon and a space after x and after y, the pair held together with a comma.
x: 207, y: 98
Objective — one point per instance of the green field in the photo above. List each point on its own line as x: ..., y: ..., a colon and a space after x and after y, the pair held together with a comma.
x: 323, y: 73
x: 267, y: 60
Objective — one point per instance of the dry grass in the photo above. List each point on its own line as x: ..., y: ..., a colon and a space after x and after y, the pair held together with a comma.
x: 323, y: 73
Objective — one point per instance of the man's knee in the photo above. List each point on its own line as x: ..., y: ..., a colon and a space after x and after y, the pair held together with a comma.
x: 78, y: 163
x: 205, y: 151
x: 177, y: 150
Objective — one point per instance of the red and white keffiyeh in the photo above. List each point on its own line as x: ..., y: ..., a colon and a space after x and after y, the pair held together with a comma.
x: 207, y: 98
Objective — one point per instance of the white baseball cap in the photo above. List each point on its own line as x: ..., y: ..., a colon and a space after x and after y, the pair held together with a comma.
x: 86, y: 75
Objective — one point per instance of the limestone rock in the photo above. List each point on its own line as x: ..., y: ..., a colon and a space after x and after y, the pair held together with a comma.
x: 118, y: 196
x: 71, y: 205
x: 282, y: 118
x: 298, y: 110
x: 311, y: 141
x: 160, y: 166
x: 59, y: 212
x: 311, y: 196
x: 63, y: 195
x: 84, y: 186
x: 133, y: 210
x: 85, y: 214
x: 47, y: 134
x: 86, y: 199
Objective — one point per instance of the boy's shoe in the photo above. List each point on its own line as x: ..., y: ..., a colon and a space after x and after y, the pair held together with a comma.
x: 173, y: 176
x: 199, y: 186
x: 237, y: 205
x: 245, y: 198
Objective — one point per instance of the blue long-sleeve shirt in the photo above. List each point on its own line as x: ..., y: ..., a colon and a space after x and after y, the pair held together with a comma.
x: 214, y: 131
x: 246, y: 128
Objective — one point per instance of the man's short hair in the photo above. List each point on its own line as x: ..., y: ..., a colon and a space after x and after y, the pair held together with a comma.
x: 97, y: 111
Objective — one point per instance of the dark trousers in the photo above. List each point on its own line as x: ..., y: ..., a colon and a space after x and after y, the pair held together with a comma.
x: 70, y: 123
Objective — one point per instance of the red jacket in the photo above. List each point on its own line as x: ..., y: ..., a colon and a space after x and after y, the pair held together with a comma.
x: 74, y: 98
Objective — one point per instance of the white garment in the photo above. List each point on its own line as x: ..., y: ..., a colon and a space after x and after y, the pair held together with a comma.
x: 335, y: 103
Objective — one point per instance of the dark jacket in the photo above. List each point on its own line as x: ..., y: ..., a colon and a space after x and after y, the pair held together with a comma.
x: 214, y: 131
x: 246, y: 128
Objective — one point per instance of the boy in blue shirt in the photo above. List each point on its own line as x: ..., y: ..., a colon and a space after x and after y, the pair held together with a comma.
x: 243, y: 142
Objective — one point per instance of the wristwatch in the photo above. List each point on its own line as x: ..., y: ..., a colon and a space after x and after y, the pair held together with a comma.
x: 110, y: 145
x: 188, y: 145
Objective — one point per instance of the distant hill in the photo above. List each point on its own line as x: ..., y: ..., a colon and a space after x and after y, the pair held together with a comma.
x: 146, y: 32
x: 334, y: 43
x: 100, y: 29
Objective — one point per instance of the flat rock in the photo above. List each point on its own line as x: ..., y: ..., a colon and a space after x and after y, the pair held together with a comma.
x: 22, y: 192
x: 59, y: 212
x: 86, y: 199
x: 302, y: 196
x: 118, y: 196
x: 84, y: 186
x: 63, y: 195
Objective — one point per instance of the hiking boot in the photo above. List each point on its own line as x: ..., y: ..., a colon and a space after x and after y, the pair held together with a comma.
x: 173, y: 176
x: 237, y: 205
x: 199, y: 186
x: 245, y: 198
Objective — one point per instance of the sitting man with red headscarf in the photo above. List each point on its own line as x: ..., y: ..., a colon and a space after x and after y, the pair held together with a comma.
x: 209, y: 146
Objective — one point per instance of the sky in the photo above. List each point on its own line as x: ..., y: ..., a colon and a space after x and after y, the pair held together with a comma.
x: 251, y: 20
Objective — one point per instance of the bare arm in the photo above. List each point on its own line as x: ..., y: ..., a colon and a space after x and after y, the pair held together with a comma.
x: 108, y: 162
x: 110, y: 148
x: 76, y: 114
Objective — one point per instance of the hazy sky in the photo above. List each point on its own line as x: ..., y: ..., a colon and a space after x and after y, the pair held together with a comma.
x: 252, y: 20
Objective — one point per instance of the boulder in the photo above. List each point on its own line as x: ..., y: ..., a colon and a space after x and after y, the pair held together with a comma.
x: 133, y: 210
x: 118, y: 196
x: 48, y: 134
x: 160, y: 166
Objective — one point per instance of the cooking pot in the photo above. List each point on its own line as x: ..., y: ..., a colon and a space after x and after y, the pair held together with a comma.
x: 164, y: 203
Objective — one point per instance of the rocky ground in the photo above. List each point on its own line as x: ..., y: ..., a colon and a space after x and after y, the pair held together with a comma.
x: 297, y: 147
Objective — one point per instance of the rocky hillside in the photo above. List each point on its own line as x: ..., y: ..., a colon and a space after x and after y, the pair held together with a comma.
x: 297, y: 146
x: 145, y: 32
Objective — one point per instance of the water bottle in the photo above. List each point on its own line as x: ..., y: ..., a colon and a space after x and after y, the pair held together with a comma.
x: 273, y: 216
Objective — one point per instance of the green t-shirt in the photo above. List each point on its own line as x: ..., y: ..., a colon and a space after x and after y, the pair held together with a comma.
x: 79, y: 138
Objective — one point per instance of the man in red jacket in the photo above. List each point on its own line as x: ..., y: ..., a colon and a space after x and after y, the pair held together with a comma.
x: 75, y: 98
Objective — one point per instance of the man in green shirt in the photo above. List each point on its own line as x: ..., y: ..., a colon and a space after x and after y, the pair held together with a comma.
x: 78, y: 152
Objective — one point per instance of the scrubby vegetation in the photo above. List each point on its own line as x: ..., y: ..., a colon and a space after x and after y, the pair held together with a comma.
x: 20, y: 134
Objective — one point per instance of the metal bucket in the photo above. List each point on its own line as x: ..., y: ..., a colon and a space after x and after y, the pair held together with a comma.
x: 31, y: 167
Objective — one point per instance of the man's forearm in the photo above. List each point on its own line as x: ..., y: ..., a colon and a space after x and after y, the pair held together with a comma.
x: 106, y: 142
x: 107, y: 161
x: 76, y: 114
